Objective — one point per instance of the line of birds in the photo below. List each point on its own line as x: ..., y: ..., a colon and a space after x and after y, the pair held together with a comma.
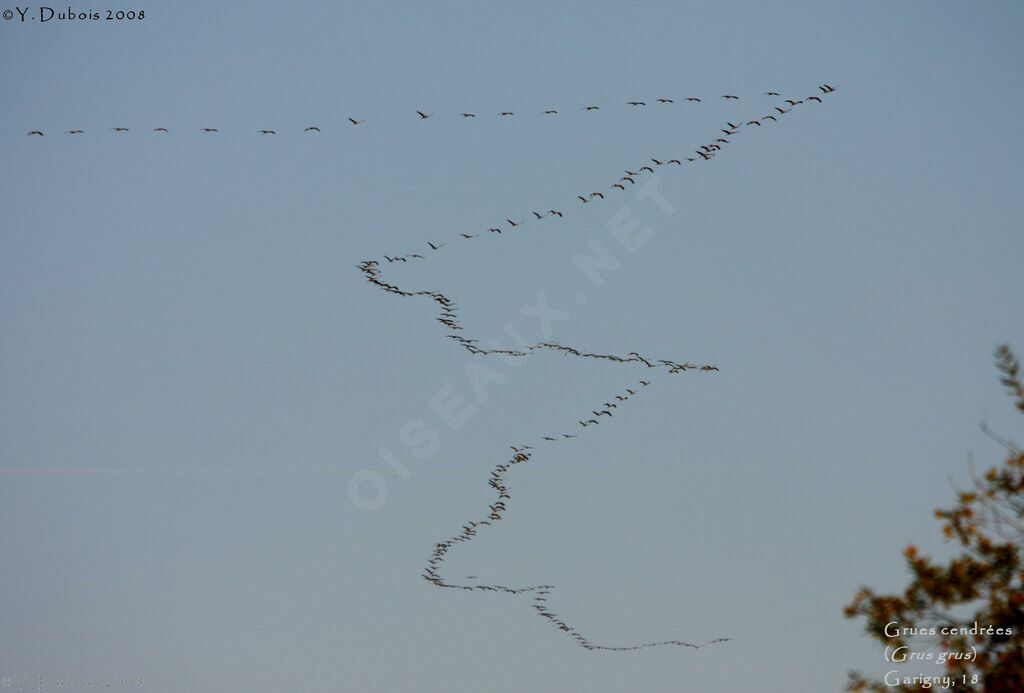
x: 422, y: 115
x: 705, y: 152
x: 448, y: 317
x: 521, y: 454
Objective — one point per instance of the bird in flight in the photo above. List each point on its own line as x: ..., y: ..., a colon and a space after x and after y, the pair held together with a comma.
x: 826, y: 89
x: 591, y: 108
x: 312, y: 128
x: 693, y: 98
x: 665, y: 101
x: 435, y: 247
x: 549, y: 112
x: 267, y: 132
x: 210, y: 130
x: 119, y: 129
x: 515, y: 223
x: 506, y: 113
x: 814, y: 98
x: 424, y: 116
x: 730, y: 96
x: 360, y: 122
x: 772, y: 93
x: 74, y: 132
x: 36, y: 132
x: 469, y: 235
x: 494, y: 230
x: 159, y: 129
x: 469, y: 115
x: 636, y: 103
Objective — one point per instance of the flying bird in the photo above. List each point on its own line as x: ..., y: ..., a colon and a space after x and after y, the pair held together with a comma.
x: 36, y: 132
x: 360, y: 122
x: 665, y: 101
x: 514, y: 223
x: 210, y: 130
x: 506, y: 113
x: 550, y: 112
x: 469, y: 115
x: 74, y: 132
x: 730, y: 96
x: 159, y: 129
x: 119, y: 129
x: 693, y: 98
x: 312, y: 128
x: 591, y: 108
x: 636, y: 103
x: 424, y: 116
x: 435, y: 247
x: 267, y: 132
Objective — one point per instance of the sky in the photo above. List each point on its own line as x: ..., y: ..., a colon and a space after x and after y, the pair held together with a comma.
x: 197, y: 384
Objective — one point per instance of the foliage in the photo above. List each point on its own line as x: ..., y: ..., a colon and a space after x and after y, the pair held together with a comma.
x: 985, y: 580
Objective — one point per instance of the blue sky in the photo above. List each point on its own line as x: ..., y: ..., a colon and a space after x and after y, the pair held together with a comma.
x: 192, y: 369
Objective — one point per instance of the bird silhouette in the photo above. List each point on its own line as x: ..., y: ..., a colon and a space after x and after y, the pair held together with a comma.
x: 74, y: 132
x: 38, y: 133
x: 424, y: 116
x: 312, y: 128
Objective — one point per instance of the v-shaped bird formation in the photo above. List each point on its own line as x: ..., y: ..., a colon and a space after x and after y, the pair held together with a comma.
x: 448, y: 317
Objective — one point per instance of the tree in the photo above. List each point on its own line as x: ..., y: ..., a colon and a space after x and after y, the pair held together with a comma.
x: 982, y: 586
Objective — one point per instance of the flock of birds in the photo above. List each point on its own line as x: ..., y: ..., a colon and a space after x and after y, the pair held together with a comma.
x: 522, y: 453
x: 824, y: 89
